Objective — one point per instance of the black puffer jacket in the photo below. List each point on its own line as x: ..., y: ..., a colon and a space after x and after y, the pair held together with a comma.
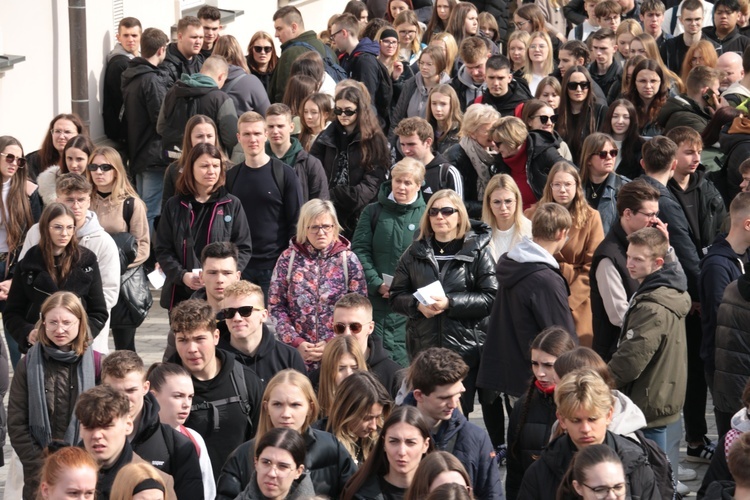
x: 32, y: 284
x: 541, y: 153
x: 527, y: 440
x: 329, y: 464
x: 469, y: 283
x: 175, y: 64
x: 732, y: 354
x: 545, y: 475
x: 173, y: 251
x: 518, y: 93
x: 363, y: 184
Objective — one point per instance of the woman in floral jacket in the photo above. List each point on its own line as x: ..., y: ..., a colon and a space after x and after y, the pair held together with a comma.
x: 316, y: 270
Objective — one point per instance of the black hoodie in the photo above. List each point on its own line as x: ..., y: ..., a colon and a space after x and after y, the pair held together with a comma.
x: 733, y: 42
x: 167, y: 450
x: 518, y: 92
x: 605, y: 81
x: 175, y: 64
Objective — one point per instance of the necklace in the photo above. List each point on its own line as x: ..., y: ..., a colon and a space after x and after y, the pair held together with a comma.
x: 442, y: 247
x: 595, y: 190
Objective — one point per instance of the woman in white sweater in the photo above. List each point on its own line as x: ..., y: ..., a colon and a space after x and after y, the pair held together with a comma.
x: 502, y: 209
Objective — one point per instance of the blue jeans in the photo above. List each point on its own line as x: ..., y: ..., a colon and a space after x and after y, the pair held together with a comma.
x: 149, y: 184
x: 657, y: 435
x: 261, y: 277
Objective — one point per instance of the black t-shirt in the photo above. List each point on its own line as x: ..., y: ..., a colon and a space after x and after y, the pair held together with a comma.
x: 200, y: 225
x: 594, y: 194
x: 389, y: 491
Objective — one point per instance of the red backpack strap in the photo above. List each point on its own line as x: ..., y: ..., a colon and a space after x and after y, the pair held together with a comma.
x: 189, y: 435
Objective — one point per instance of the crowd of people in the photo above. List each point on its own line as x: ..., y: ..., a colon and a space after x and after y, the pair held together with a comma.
x: 543, y: 207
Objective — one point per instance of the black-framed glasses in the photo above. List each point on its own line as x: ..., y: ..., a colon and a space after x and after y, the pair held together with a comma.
x: 104, y: 167
x: 649, y: 215
x: 603, y: 154
x: 340, y: 328
x: 229, y: 312
x: 544, y: 119
x: 10, y: 159
x: 602, y: 492
x: 444, y: 211
x: 346, y: 112
x: 575, y: 85
x: 326, y: 228
x: 259, y: 49
x: 333, y: 35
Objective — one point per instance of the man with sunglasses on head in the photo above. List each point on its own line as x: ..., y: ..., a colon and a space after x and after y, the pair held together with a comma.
x: 502, y: 91
x: 250, y: 340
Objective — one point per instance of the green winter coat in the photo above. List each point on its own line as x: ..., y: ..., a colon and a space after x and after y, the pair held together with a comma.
x: 379, y: 252
x: 289, y: 53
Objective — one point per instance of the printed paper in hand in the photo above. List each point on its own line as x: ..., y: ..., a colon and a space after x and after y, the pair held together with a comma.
x: 387, y: 280
x: 157, y: 278
x: 424, y: 295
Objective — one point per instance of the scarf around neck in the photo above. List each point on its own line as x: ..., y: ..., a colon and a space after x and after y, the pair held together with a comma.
x: 480, y: 160
x: 36, y: 364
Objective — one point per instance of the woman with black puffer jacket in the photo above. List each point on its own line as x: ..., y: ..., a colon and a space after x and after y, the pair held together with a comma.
x: 533, y: 416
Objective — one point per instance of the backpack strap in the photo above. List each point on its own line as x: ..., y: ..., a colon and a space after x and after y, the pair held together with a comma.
x: 673, y: 21
x: 240, y: 387
x: 291, y: 265
x: 277, y: 171
x: 227, y: 88
x: 127, y: 211
x: 345, y: 264
x: 578, y: 32
x: 241, y: 397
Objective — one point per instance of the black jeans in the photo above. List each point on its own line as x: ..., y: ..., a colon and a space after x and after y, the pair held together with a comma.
x: 124, y: 338
x: 723, y: 419
x: 494, y: 408
x: 694, y: 411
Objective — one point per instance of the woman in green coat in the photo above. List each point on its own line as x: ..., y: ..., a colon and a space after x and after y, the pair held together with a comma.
x: 385, y: 230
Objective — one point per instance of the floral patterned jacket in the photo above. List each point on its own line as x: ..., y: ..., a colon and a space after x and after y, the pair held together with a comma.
x: 305, y: 285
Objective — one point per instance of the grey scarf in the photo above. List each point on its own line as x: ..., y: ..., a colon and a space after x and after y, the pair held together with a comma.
x: 481, y: 160
x: 39, y: 424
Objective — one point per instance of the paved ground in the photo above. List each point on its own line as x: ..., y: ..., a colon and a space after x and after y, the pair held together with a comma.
x: 151, y: 340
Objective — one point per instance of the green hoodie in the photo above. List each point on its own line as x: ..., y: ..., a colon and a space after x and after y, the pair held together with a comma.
x: 290, y: 157
x: 198, y: 80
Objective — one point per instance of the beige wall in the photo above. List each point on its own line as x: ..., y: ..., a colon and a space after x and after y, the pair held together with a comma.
x: 39, y: 88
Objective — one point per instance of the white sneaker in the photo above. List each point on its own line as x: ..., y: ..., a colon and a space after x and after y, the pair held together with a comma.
x: 685, y: 474
x: 682, y: 489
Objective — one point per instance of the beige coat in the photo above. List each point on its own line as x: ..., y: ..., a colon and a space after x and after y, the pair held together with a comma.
x: 109, y: 212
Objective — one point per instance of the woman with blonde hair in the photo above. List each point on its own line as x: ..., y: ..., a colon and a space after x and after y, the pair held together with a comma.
x: 549, y: 90
x: 342, y: 356
x: 445, y: 116
x: 702, y: 53
x: 437, y: 468
x: 466, y: 272
x: 289, y: 401
x: 564, y: 187
x: 46, y: 383
x: 626, y: 31
x: 138, y: 480
x: 447, y: 43
x: 409, y: 37
x: 261, y: 57
x: 245, y: 89
x: 502, y: 210
x: 534, y: 17
x: 316, y: 270
x: 68, y: 468
x: 384, y: 231
x: 113, y: 199
x: 518, y: 46
x: 539, y: 60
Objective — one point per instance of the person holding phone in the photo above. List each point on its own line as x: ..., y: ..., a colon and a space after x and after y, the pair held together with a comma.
x: 695, y: 108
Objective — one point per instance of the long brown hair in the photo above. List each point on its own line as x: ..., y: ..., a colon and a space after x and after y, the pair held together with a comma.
x: 335, y: 350
x: 323, y: 102
x: 186, y: 184
x: 375, y: 149
x: 187, y: 145
x: 436, y: 24
x: 648, y: 114
x: 579, y: 208
x: 229, y: 48
x: 574, y: 136
x: 82, y: 142
x: 48, y: 155
x: 456, y: 21
x: 70, y: 254
x: 430, y: 467
x: 19, y: 218
x: 252, y: 65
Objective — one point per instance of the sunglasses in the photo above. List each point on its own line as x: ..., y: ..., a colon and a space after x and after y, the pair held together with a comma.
x: 345, y: 112
x: 445, y: 211
x: 575, y: 85
x: 603, y: 154
x: 544, y: 119
x: 11, y: 158
x: 260, y: 49
x: 229, y: 312
x: 340, y: 328
x: 104, y: 167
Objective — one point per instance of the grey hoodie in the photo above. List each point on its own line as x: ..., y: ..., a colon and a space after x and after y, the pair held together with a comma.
x: 472, y: 89
x: 302, y: 488
x: 118, y: 50
x: 528, y: 251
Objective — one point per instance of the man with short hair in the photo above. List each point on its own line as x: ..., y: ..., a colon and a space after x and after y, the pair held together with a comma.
x: 250, y: 340
x: 143, y: 91
x: 604, y: 70
x: 590, y: 24
x: 725, y: 261
x: 127, y: 47
x: 290, y: 30
x: 730, y: 69
x: 352, y: 315
x: 739, y: 92
x: 415, y: 137
x: 199, y: 94
x: 470, y: 81
x: 652, y: 15
x: 575, y: 13
x: 105, y: 420
x: 745, y: 173
x: 609, y: 14
x: 271, y: 196
x: 210, y: 18
x: 502, y: 91
x: 725, y: 31
x: 436, y: 377
x: 360, y: 60
x: 692, y: 109
x: 674, y: 50
x: 532, y: 294
x: 157, y: 443
x: 74, y: 191
x: 184, y: 55
x: 228, y: 395
x: 650, y: 363
x: 287, y: 149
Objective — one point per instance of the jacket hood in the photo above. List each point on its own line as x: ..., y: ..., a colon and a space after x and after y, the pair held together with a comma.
x: 235, y: 72
x: 137, y: 67
x: 198, y: 80
x: 91, y: 225
x: 377, y: 351
x: 309, y: 251
x: 627, y: 417
x: 465, y: 78
x: 291, y: 154
x: 391, y: 205
x: 737, y: 88
x: 740, y: 421
x: 682, y: 103
x: 541, y: 140
x: 419, y: 81
x: 528, y: 251
x: 523, y: 260
x: 301, y: 488
x: 447, y: 429
x: 118, y: 50
x: 668, y: 288
x: 722, y: 248
x: 306, y: 36
x: 727, y: 141
x: 149, y: 423
x: 367, y: 46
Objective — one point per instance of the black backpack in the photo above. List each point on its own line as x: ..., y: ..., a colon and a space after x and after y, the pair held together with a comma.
x: 666, y: 481
x: 182, y: 111
x: 241, y: 397
x: 332, y: 67
x: 384, y: 94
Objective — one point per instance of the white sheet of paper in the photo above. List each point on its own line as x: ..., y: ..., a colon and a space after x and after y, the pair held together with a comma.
x: 157, y: 278
x: 424, y: 295
x: 387, y: 280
